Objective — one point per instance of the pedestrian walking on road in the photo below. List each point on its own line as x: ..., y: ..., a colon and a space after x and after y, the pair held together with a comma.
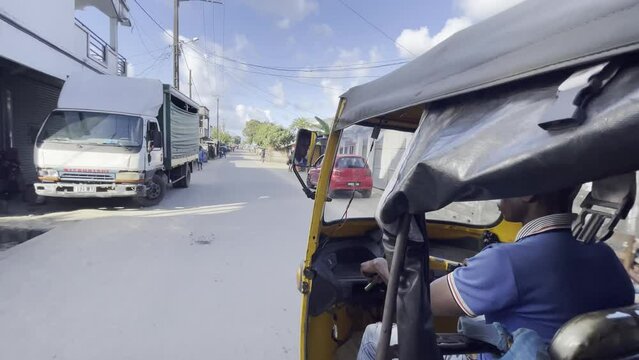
x: 263, y: 154
x: 200, y: 158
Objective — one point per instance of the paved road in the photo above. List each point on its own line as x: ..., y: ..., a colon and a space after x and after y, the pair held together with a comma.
x: 208, y: 274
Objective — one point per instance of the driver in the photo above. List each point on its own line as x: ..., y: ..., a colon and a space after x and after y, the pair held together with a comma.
x: 538, y: 282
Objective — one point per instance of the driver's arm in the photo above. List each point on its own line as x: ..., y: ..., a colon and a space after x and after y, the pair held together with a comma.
x: 442, y: 302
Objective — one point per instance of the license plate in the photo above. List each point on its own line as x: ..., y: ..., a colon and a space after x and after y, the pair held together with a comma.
x: 353, y: 184
x: 85, y: 188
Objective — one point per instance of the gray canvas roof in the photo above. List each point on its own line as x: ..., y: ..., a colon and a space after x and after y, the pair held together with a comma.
x: 534, y: 37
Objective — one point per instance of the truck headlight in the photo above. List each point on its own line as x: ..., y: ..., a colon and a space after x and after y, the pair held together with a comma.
x: 48, y: 175
x: 129, y: 177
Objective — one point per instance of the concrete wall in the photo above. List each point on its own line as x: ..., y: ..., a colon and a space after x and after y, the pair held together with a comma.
x: 53, y: 20
x: 388, y: 150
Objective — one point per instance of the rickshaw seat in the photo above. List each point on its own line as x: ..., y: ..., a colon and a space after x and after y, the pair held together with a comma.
x: 609, y: 201
x: 608, y: 334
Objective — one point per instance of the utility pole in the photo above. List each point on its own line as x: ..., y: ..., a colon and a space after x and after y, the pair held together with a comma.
x: 190, y: 83
x: 176, y: 45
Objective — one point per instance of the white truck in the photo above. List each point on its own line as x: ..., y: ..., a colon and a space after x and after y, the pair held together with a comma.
x: 113, y: 136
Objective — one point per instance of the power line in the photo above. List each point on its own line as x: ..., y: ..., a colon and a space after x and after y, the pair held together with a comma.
x: 375, y: 26
x: 153, y: 19
x: 330, y: 68
x: 330, y: 77
x: 191, y: 80
x: 285, y: 78
x: 246, y: 86
x: 158, y: 61
x: 299, y: 108
x: 197, y: 51
x: 361, y: 66
x: 149, y: 52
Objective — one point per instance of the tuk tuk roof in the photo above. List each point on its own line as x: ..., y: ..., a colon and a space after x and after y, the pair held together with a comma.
x: 534, y: 37
x: 488, y: 143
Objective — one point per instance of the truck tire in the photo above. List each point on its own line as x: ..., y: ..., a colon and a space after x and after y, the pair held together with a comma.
x: 366, y: 193
x: 156, y: 188
x: 186, y: 180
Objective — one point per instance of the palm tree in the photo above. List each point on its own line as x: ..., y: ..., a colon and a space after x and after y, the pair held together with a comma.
x: 324, y: 129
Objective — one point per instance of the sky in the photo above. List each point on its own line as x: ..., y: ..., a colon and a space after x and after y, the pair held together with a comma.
x: 276, y: 60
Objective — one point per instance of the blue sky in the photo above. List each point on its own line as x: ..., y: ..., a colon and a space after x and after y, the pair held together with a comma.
x: 295, y: 36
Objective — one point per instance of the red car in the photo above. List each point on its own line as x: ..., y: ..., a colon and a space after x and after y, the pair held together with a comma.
x: 350, y: 173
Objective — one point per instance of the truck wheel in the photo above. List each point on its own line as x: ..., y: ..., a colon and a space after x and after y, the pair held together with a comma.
x: 155, y: 190
x: 185, y: 181
x: 366, y: 193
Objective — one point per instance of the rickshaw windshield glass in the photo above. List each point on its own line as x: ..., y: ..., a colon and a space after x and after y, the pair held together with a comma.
x: 364, y: 166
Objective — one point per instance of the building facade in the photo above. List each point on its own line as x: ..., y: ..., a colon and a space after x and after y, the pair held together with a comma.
x: 39, y: 49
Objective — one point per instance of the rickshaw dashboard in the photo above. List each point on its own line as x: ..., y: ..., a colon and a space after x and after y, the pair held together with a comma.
x: 336, y: 275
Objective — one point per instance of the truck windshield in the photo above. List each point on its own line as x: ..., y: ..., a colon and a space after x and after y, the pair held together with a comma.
x: 92, y: 128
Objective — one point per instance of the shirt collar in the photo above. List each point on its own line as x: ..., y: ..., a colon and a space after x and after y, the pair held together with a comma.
x: 545, y: 223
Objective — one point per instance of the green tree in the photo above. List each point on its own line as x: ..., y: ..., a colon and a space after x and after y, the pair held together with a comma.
x: 303, y: 123
x: 224, y: 137
x: 237, y: 140
x: 316, y: 124
x: 325, y: 128
x: 250, y: 130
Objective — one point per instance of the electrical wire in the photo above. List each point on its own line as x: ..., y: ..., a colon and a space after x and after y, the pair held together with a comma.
x: 374, y: 26
x: 155, y: 21
x: 299, y: 108
x: 199, y: 99
x: 157, y: 61
x: 304, y: 76
x: 204, y: 56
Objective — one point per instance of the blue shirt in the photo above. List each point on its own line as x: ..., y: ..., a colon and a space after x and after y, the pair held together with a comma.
x: 541, y: 281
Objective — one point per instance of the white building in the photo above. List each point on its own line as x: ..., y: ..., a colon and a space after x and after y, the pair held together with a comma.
x: 41, y: 43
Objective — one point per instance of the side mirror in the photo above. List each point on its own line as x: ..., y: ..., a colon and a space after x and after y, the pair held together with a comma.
x: 304, y: 148
x: 156, y: 136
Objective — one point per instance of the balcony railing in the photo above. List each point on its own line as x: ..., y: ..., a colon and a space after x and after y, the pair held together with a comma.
x: 100, y: 52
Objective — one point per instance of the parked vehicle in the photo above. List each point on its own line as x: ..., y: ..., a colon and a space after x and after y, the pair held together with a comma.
x: 117, y: 137
x: 537, y: 106
x: 351, y: 173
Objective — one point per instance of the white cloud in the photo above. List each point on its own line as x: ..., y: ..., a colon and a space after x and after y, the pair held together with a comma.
x: 481, y: 9
x: 247, y: 112
x: 322, y: 29
x: 415, y: 42
x: 332, y: 90
x: 277, y: 90
x: 241, y: 42
x: 412, y: 43
x: 293, y: 10
x: 452, y: 26
x: 284, y: 23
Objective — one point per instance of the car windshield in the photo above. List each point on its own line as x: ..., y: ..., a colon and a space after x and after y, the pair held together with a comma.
x: 92, y: 128
x: 356, y: 150
x: 350, y: 163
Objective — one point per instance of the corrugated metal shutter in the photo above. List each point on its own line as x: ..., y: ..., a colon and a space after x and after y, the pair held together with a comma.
x: 32, y: 102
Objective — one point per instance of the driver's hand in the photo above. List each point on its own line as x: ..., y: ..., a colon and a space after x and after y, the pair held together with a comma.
x: 376, y: 267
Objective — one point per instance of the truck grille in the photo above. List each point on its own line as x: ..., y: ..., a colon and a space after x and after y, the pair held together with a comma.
x: 87, y: 177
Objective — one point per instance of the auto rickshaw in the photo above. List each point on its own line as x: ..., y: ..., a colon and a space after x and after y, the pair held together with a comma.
x: 539, y: 97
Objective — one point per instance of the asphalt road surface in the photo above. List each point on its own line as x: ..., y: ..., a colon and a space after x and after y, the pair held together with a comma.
x: 207, y: 274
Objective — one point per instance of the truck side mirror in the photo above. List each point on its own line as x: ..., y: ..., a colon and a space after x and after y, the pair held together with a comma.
x: 157, y: 138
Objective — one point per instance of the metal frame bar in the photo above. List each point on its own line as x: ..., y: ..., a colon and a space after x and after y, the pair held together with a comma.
x: 390, y: 303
